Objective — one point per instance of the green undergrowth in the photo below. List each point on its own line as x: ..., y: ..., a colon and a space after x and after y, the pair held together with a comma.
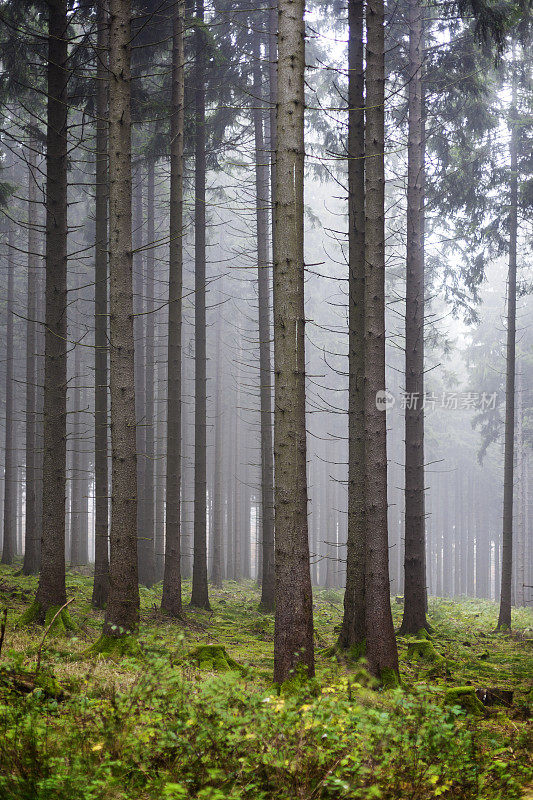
x: 190, y: 710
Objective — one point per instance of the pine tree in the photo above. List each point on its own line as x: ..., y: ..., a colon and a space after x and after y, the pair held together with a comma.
x: 293, y: 630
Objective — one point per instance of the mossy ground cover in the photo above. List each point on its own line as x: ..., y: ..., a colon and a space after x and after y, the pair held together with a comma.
x: 166, y: 721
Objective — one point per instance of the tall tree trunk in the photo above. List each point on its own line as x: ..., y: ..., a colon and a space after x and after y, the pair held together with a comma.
x: 200, y: 594
x: 293, y: 630
x: 504, y: 618
x: 520, y: 498
x: 32, y: 534
x: 414, y: 614
x: 76, y: 470
x: 9, y: 547
x: 140, y: 359
x: 381, y: 651
x: 146, y: 544
x: 171, y: 602
x: 160, y: 465
x: 51, y: 591
x: 263, y: 292
x: 122, y: 612
x: 217, y: 517
x: 352, y: 632
x: 101, y: 476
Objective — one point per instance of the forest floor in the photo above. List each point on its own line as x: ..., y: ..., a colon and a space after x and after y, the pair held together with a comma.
x: 162, y: 723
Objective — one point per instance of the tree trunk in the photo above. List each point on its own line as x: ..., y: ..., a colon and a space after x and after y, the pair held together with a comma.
x: 146, y: 544
x: 76, y: 471
x: 217, y: 517
x: 263, y: 292
x: 293, y: 634
x: 171, y: 602
x: 101, y: 476
x: 9, y: 547
x: 520, y: 498
x: 32, y: 534
x: 200, y: 593
x: 381, y: 652
x: 51, y: 590
x: 504, y: 618
x: 352, y: 632
x: 414, y: 614
x: 122, y: 612
x: 140, y: 360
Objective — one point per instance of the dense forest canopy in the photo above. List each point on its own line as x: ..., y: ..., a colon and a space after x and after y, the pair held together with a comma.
x: 266, y: 404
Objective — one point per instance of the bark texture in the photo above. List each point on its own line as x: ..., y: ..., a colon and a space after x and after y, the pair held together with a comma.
x: 381, y: 651
x: 352, y: 632
x: 504, y: 617
x: 263, y: 298
x: 32, y: 533
x: 9, y: 545
x: 171, y: 602
x: 414, y: 613
x: 293, y: 633
x: 51, y: 589
x: 101, y: 476
x: 122, y: 612
x: 200, y: 594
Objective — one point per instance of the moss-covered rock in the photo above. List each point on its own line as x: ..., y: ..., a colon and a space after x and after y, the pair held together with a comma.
x: 214, y: 657
x: 115, y: 647
x: 423, y: 650
x: 465, y: 697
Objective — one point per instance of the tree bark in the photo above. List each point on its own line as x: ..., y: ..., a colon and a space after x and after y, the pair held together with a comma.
x: 51, y: 590
x: 200, y: 592
x: 504, y: 618
x: 77, y: 503
x: 352, y: 633
x: 101, y: 476
x: 293, y: 630
x: 414, y: 613
x: 381, y: 651
x: 32, y: 533
x: 122, y: 612
x: 217, y: 518
x: 140, y: 360
x: 9, y: 546
x: 171, y: 602
x: 263, y: 292
x: 146, y: 544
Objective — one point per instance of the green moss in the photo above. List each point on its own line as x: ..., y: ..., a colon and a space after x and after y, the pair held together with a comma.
x: 62, y: 622
x: 115, y: 647
x: 423, y: 650
x: 464, y: 696
x: 23, y: 682
x: 389, y: 678
x: 299, y: 681
x: 33, y: 614
x: 214, y: 657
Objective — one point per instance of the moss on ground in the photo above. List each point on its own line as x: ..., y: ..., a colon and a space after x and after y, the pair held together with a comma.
x: 423, y: 650
x: 115, y: 647
x: 465, y: 697
x: 214, y: 657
